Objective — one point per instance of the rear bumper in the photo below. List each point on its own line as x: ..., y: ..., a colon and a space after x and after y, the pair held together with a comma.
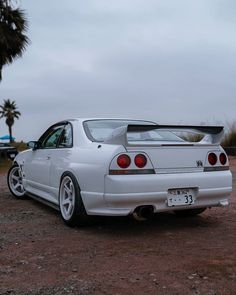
x: 123, y: 193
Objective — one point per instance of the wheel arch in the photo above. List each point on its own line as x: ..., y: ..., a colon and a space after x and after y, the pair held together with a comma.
x: 69, y: 172
x: 78, y: 216
x: 15, y: 163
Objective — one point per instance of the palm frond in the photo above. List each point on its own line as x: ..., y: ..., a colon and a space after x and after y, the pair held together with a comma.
x: 13, y: 26
x: 9, y: 110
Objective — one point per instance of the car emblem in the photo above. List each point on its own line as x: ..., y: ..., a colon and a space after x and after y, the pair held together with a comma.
x: 199, y: 163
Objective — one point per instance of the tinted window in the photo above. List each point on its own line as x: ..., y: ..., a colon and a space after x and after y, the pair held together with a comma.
x: 65, y: 140
x: 50, y: 138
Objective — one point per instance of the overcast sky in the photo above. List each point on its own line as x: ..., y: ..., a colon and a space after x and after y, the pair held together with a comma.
x: 170, y: 61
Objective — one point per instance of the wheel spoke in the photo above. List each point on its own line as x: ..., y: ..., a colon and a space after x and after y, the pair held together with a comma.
x: 66, y: 202
x: 22, y: 188
x: 16, y: 185
x: 70, y: 208
x: 15, y: 177
x: 71, y: 188
x: 67, y: 190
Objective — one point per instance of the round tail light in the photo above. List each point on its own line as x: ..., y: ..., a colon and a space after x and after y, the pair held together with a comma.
x: 123, y: 161
x: 223, y: 159
x: 212, y: 158
x: 140, y: 160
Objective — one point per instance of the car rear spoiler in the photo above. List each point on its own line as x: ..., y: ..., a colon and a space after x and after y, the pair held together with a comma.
x: 212, y: 134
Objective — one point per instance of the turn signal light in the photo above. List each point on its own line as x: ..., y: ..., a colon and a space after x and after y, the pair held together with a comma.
x: 140, y: 160
x: 123, y: 161
x: 223, y: 159
x: 212, y: 158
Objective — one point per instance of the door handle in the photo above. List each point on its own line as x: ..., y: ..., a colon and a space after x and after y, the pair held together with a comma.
x: 48, y: 157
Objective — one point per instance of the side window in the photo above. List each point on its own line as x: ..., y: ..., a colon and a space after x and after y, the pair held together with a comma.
x: 66, y: 140
x: 51, y: 137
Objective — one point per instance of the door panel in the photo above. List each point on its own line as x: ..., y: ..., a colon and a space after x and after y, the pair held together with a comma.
x: 36, y: 168
x: 37, y: 165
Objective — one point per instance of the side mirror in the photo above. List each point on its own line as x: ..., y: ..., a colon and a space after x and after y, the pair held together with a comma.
x: 32, y: 145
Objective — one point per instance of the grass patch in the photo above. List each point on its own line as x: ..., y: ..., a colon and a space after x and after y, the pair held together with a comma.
x: 20, y: 146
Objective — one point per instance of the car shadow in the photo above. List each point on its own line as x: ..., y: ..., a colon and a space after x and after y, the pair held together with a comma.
x: 160, y: 222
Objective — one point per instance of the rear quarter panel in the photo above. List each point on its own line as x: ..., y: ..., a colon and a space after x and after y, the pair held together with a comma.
x: 89, y: 164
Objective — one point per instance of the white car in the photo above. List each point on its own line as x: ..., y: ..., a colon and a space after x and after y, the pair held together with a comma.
x: 118, y: 167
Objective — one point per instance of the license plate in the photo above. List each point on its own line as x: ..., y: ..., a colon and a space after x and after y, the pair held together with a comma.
x: 180, y: 197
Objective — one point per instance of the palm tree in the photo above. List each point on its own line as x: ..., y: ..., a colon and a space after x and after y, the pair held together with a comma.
x: 9, y: 111
x: 13, y: 41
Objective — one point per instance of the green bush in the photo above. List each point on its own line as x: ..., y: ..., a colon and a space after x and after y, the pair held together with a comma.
x: 20, y: 146
x: 229, y: 139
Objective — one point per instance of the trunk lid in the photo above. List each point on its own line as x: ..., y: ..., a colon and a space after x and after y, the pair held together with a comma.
x: 176, y: 158
x: 168, y: 152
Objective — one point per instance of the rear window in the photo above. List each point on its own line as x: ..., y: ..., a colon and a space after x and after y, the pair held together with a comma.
x: 100, y: 130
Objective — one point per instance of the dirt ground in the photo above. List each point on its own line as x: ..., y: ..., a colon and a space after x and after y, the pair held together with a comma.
x: 165, y: 255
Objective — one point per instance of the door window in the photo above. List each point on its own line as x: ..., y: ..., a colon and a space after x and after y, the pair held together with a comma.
x: 65, y: 140
x: 50, y: 139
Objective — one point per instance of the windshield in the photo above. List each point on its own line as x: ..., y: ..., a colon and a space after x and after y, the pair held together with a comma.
x: 100, y: 130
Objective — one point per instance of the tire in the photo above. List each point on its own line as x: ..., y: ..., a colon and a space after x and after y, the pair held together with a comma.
x: 189, y: 212
x: 14, y: 181
x: 71, y: 205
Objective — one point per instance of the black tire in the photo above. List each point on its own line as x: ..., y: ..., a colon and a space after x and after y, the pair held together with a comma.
x: 14, y: 182
x: 189, y: 212
x: 77, y: 215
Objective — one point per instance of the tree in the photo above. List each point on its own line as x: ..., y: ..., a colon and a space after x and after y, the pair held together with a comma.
x: 13, y: 41
x: 9, y: 111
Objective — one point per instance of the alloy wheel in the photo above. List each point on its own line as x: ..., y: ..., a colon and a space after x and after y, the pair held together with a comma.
x: 67, y: 197
x: 15, y: 182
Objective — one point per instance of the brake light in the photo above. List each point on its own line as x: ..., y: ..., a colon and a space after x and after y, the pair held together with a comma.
x: 123, y: 161
x: 212, y: 158
x: 223, y: 159
x: 140, y: 160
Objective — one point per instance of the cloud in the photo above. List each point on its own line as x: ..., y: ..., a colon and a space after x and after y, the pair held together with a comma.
x: 168, y: 61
